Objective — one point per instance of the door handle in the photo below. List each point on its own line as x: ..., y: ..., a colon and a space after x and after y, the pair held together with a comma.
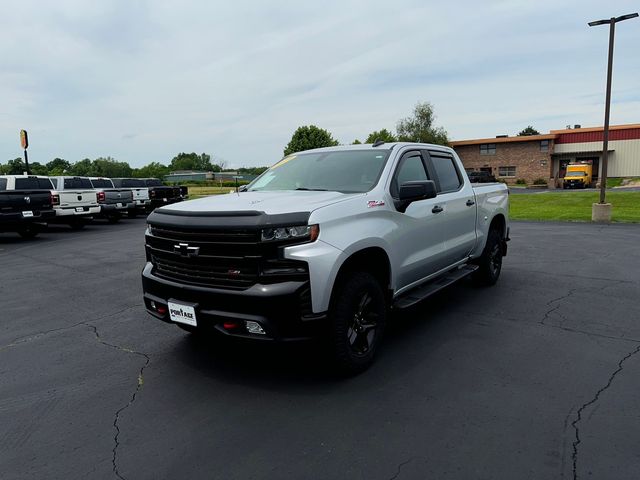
x: 470, y: 203
x: 437, y: 209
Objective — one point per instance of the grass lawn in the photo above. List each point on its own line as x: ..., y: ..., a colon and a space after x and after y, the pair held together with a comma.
x: 197, y: 192
x: 573, y: 206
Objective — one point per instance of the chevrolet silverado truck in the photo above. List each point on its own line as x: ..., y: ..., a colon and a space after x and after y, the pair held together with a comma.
x: 138, y: 186
x: 114, y: 202
x: 25, y: 204
x: 325, y: 243
x: 74, y: 201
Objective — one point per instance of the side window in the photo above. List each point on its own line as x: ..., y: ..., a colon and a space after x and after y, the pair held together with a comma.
x: 3, y: 183
x: 447, y: 173
x: 54, y: 181
x: 411, y: 168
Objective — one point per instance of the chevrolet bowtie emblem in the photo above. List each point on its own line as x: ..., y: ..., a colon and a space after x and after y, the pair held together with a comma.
x: 184, y: 250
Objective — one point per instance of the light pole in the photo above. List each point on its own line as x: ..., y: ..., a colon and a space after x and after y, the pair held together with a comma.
x: 607, y: 107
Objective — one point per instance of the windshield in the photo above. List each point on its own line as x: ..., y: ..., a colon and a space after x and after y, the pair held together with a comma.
x: 131, y: 182
x: 576, y: 174
x: 345, y: 171
x: 77, y: 182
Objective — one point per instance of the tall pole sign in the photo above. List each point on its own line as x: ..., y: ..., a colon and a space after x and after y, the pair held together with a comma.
x: 24, y: 142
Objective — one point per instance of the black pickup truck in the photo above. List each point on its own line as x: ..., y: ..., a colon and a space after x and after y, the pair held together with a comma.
x: 25, y: 204
x: 160, y: 194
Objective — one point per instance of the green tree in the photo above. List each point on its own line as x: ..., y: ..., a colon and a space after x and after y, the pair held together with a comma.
x: 384, y: 135
x: 36, y: 168
x: 308, y: 137
x: 528, y: 131
x: 152, y: 170
x: 83, y: 168
x: 110, y: 168
x: 420, y: 128
x: 15, y: 167
x: 193, y: 161
x: 356, y: 142
x: 58, y: 166
x: 252, y: 170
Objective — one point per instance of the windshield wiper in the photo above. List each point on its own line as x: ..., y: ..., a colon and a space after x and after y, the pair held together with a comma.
x: 313, y: 189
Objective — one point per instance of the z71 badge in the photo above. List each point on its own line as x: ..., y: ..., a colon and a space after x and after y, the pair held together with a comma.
x: 375, y: 203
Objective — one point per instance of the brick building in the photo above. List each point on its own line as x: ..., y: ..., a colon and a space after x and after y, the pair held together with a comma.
x: 546, y: 156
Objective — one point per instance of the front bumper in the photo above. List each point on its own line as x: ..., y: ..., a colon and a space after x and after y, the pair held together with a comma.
x: 283, y: 310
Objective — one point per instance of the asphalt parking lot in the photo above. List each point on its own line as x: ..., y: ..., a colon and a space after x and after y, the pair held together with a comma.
x: 537, y: 377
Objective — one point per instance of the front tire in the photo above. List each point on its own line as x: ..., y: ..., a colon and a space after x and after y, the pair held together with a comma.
x: 490, y: 263
x: 358, y: 319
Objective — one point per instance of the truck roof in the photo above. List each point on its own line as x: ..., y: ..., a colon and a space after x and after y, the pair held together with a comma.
x: 384, y: 146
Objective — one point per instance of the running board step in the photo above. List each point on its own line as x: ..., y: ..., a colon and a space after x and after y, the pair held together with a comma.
x: 418, y: 294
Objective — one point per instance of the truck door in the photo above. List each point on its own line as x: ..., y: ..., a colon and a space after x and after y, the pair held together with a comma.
x: 457, y: 199
x: 420, y: 240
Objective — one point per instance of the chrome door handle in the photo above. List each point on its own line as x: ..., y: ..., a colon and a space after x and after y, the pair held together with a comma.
x: 470, y: 203
x: 437, y: 209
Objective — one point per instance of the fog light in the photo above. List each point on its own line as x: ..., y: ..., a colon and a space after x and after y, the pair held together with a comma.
x: 254, y: 327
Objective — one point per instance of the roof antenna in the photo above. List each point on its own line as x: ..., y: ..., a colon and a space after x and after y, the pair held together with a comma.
x: 377, y: 143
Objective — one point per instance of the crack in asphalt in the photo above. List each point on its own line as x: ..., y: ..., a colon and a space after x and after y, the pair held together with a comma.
x: 35, y: 336
x: 114, y: 458
x: 399, y: 467
x: 548, y: 313
x: 596, y: 397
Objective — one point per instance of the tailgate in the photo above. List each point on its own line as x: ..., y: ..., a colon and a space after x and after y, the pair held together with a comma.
x: 24, y: 200
x: 123, y: 196
x: 140, y: 193
x: 77, y: 198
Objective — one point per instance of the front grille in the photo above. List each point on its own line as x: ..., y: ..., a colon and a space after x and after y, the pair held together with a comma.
x: 231, y: 259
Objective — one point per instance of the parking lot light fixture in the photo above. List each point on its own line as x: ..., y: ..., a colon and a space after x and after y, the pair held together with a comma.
x: 605, y: 144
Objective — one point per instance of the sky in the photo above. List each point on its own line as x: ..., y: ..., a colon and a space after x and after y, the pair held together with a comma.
x: 141, y: 81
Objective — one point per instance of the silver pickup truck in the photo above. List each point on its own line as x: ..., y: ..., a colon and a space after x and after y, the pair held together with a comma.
x: 138, y: 186
x: 325, y: 243
x: 114, y: 202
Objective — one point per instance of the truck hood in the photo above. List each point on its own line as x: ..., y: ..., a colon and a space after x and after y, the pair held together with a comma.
x: 271, y: 203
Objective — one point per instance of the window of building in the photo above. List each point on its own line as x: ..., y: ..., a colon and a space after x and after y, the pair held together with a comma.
x: 544, y: 145
x: 507, y: 171
x: 488, y: 149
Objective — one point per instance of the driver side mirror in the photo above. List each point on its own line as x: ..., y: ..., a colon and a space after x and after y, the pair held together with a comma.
x: 415, y: 190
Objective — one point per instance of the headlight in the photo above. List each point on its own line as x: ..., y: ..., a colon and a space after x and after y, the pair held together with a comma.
x: 301, y: 232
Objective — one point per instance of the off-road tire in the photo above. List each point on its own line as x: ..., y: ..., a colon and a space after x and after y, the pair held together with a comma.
x: 357, y: 322
x: 490, y: 263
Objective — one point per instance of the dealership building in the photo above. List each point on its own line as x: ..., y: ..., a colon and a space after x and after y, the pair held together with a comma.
x: 531, y: 157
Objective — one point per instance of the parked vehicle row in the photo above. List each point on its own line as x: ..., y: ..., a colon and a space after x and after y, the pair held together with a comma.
x: 28, y: 203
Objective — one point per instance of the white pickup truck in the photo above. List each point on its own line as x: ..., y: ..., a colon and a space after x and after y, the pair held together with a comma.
x: 74, y: 201
x: 138, y: 186
x: 325, y: 242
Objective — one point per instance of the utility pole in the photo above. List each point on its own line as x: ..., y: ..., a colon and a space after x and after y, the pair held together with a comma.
x: 602, y: 210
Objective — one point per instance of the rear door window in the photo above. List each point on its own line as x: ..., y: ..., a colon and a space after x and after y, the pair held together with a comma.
x: 447, y: 173
x: 3, y: 183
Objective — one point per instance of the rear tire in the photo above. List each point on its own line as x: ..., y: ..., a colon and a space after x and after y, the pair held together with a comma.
x: 358, y: 319
x: 28, y: 232
x: 77, y: 225
x: 490, y: 263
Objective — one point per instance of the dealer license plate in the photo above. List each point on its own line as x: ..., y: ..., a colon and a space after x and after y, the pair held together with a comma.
x: 79, y: 209
x: 181, y: 313
x: 120, y: 205
x: 164, y: 199
x: 27, y: 213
